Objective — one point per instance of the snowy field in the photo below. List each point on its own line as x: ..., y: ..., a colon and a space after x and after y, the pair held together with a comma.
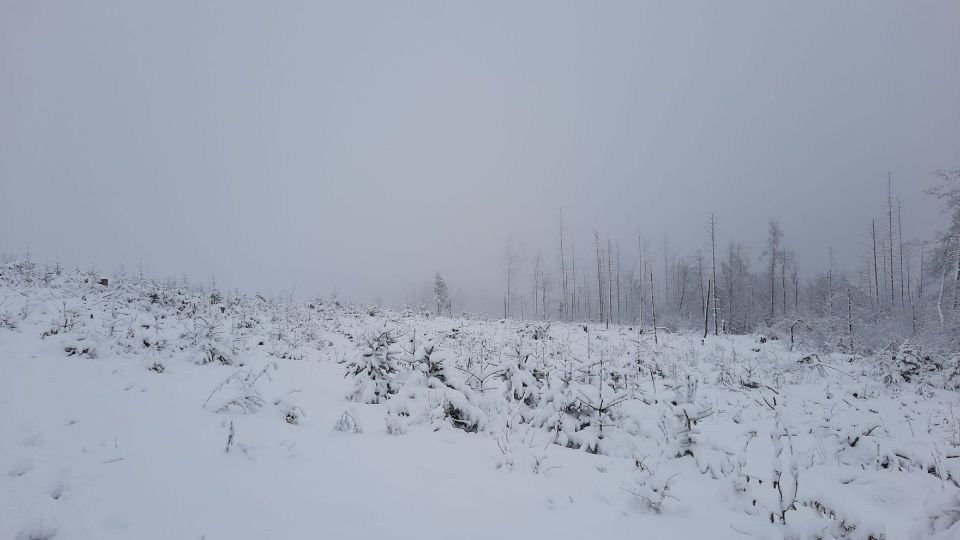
x: 151, y: 410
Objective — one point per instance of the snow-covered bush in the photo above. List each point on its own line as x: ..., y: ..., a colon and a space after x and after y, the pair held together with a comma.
x: 651, y: 489
x: 239, y: 393
x: 521, y: 384
x: 434, y: 391
x: 905, y: 364
x: 291, y: 412
x: 7, y: 319
x: 348, y: 423
x: 396, y: 423
x: 211, y: 338
x: 375, y: 369
x: 942, y: 520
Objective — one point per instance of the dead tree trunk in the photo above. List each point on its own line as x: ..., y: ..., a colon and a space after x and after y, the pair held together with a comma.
x: 876, y: 269
x: 564, y: 314
x: 713, y: 251
x: 890, y: 232
x: 653, y: 308
x: 900, y: 238
x: 706, y: 312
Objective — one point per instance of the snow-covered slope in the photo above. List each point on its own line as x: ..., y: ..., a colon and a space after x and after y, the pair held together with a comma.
x: 148, y: 410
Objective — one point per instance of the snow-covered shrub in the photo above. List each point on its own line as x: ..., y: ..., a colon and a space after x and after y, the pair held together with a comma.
x: 375, y: 369
x: 786, y: 486
x: 348, y: 423
x: 905, y: 365
x: 539, y: 465
x: 825, y: 508
x: 942, y: 520
x: 685, y: 430
x: 726, y: 374
x: 238, y: 393
x: 231, y: 436
x: 429, y: 361
x: 446, y: 384
x: 156, y: 366
x: 211, y: 338
x: 7, y: 319
x: 284, y: 337
x: 651, y: 489
x: 598, y: 420
x: 434, y: 391
x: 291, y: 412
x: 740, y: 480
x: 479, y: 368
x: 80, y: 346
x: 952, y: 371
x: 506, y: 460
x: 521, y: 384
x: 396, y: 423
x: 560, y: 412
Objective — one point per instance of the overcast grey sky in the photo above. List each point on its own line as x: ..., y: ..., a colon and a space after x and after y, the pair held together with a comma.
x: 364, y: 145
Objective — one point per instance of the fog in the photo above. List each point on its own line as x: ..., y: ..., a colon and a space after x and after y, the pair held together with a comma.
x: 363, y: 146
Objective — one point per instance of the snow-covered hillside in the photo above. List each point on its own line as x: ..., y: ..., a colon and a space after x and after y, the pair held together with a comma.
x: 149, y: 410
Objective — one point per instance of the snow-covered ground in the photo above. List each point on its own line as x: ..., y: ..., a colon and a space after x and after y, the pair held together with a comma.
x: 156, y: 410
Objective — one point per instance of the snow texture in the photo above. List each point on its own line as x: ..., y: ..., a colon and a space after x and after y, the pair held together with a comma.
x: 141, y: 409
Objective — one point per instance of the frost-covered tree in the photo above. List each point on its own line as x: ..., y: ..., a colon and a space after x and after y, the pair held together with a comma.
x: 212, y: 337
x: 441, y: 295
x: 374, y: 370
x: 454, y: 399
x: 946, y: 254
x: 521, y: 384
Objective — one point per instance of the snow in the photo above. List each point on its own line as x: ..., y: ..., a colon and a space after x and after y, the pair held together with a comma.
x: 144, y: 410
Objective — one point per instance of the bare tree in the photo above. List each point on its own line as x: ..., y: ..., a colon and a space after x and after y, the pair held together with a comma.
x: 773, y: 249
x: 641, y: 263
x: 920, y: 285
x: 513, y: 260
x: 795, y: 277
x: 596, y: 245
x: 544, y: 293
x: 830, y: 280
x: 876, y: 270
x: 784, y: 261
x: 564, y: 314
x: 536, y: 282
x: 666, y: 273
x: 618, y: 282
x: 573, y: 282
x: 609, y: 283
x: 703, y: 298
x: 653, y: 308
x: 900, y: 238
x: 890, y: 231
x: 706, y: 310
x: 713, y: 251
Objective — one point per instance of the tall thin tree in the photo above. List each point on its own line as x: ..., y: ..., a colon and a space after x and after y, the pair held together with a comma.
x: 876, y: 269
x: 900, y: 237
x: 773, y: 248
x: 563, y: 273
x: 713, y: 253
x: 596, y: 245
x: 890, y: 231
